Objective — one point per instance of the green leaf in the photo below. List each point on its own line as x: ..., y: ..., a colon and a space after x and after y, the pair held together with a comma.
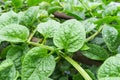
x: 89, y: 24
x: 47, y: 29
x: 43, y: 14
x: 111, y: 8
x: 42, y: 78
x: 111, y: 37
x: 7, y: 70
x: 110, y: 78
x: 4, y: 50
x: 93, y: 5
x: 77, y: 77
x: 8, y: 18
x: 17, y: 3
x: 84, y: 47
x: 70, y: 36
x: 15, y: 54
x: 110, y: 69
x: 95, y: 52
x: 29, y: 16
x: 37, y: 63
x: 36, y: 2
x: 14, y: 33
x: 105, y: 20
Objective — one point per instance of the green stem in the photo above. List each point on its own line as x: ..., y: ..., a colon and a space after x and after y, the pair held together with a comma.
x: 51, y: 52
x: 44, y: 40
x: 76, y: 66
x: 42, y: 46
x: 94, y: 35
x: 87, y: 8
x: 18, y: 75
x: 57, y: 59
x: 31, y: 35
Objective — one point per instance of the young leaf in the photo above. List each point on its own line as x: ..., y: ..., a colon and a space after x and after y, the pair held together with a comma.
x: 95, y: 52
x: 14, y: 33
x: 8, y: 18
x: 110, y: 36
x: 37, y: 63
x: 15, y: 54
x: 70, y: 36
x: 7, y: 70
x: 29, y: 16
x: 110, y: 69
x: 47, y: 29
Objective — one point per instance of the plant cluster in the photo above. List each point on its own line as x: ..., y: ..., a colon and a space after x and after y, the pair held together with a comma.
x: 59, y: 40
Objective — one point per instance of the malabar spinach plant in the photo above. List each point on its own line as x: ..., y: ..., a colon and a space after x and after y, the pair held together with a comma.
x: 59, y: 40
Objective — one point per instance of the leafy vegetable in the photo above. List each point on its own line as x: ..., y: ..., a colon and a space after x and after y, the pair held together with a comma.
x: 14, y: 33
x: 7, y: 70
x: 44, y: 64
x: 70, y: 36
x: 110, y: 69
x: 29, y: 16
x: 15, y: 54
x: 59, y: 39
x: 95, y: 52
x: 111, y: 37
x: 8, y: 18
x: 48, y: 28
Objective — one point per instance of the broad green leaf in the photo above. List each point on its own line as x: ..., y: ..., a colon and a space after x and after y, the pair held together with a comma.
x: 70, y: 36
x: 8, y: 18
x: 17, y: 3
x: 111, y: 37
x: 29, y: 16
x: 15, y: 54
x: 7, y: 70
x: 110, y: 68
x: 47, y: 29
x: 37, y: 63
x: 14, y: 33
x: 95, y: 52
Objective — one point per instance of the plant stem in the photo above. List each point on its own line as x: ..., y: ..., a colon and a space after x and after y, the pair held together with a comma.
x: 76, y: 66
x: 44, y: 40
x: 57, y: 59
x: 94, y: 35
x: 87, y: 8
x: 42, y: 46
x: 31, y: 35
